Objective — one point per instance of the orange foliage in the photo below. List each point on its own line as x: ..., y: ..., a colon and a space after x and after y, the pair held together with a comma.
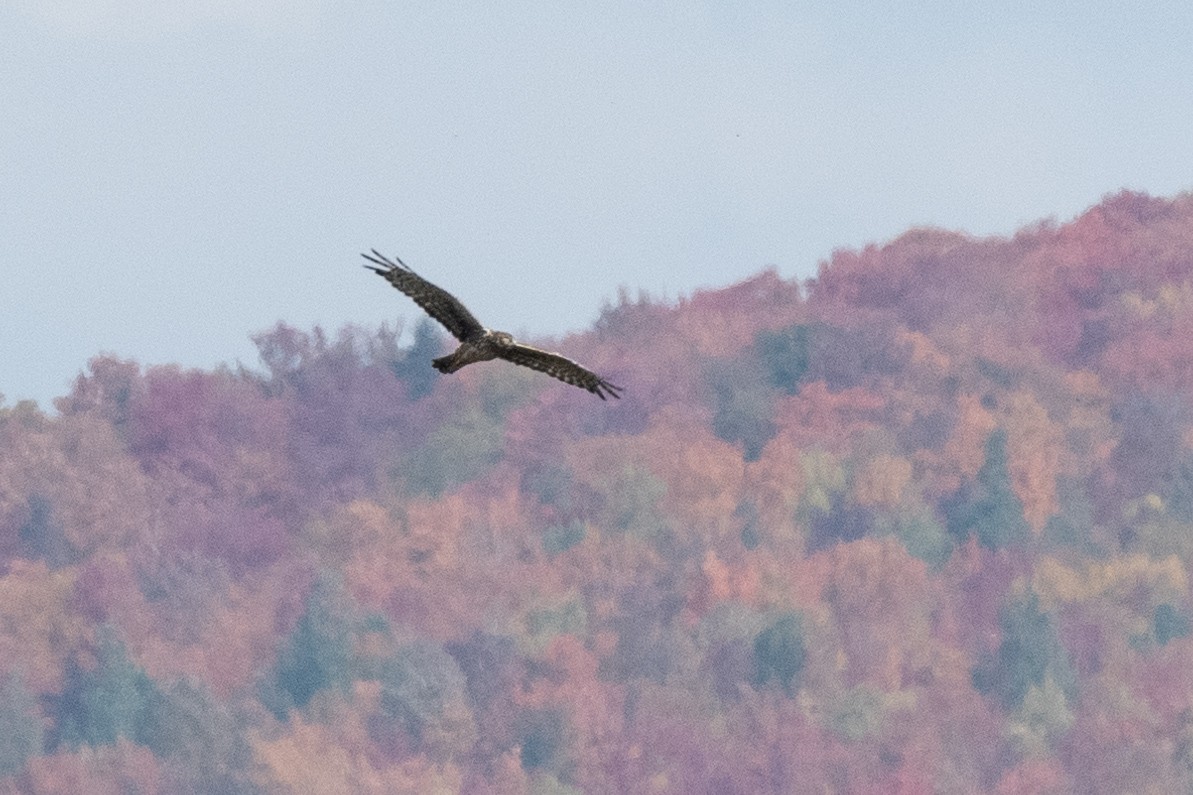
x: 93, y: 490
x: 118, y: 769
x: 1136, y: 582
x: 881, y: 481
x: 966, y: 448
x: 596, y: 708
x: 1035, y: 777
x: 1157, y: 355
x: 722, y: 322
x: 318, y: 757
x: 702, y: 474
x: 817, y: 416
x: 1035, y: 446
x: 237, y: 637
x: 1090, y: 432
x: 925, y: 354
x: 720, y: 582
x: 39, y: 630
x: 774, y: 483
x: 352, y: 530
x: 882, y: 599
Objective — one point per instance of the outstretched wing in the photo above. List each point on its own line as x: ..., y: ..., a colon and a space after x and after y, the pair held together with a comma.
x: 557, y: 366
x: 435, y: 301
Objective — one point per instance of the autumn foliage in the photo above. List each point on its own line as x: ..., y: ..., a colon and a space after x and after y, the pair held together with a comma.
x: 921, y: 524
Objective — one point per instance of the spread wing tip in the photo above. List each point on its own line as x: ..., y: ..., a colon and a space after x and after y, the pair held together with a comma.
x: 385, y: 262
x: 607, y: 387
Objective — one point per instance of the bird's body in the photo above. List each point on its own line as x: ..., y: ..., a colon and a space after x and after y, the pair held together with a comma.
x: 482, y: 348
x: 477, y: 343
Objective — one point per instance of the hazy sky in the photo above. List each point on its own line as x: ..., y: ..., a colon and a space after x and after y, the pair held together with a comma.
x: 175, y: 176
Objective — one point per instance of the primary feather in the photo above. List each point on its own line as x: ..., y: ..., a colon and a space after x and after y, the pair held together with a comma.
x: 434, y: 300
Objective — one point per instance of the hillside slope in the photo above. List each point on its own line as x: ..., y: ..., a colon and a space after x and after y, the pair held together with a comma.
x: 922, y: 524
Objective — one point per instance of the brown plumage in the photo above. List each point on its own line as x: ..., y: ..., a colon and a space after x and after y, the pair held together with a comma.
x: 477, y: 343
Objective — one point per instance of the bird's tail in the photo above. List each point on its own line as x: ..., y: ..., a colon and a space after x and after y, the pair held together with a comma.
x: 447, y: 364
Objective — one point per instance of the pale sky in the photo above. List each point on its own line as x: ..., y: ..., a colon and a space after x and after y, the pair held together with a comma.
x: 175, y: 176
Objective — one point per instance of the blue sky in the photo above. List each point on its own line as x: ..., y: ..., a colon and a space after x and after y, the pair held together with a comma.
x: 179, y: 175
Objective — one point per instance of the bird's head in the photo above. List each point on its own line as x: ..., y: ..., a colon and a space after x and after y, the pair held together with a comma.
x: 502, y: 338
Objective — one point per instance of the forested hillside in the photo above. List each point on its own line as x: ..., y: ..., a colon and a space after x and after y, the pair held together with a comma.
x: 922, y: 524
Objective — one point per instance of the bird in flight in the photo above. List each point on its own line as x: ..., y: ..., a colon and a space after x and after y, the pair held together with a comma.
x: 477, y: 343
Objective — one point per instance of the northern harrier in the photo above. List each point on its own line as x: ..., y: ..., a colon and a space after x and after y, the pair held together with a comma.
x: 477, y: 343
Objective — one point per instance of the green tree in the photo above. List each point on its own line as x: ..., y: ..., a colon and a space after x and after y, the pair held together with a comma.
x: 559, y: 538
x: 921, y: 533
x: 779, y: 653
x: 785, y: 355
x: 1071, y: 525
x: 21, y: 732
x: 987, y: 506
x: 549, y: 483
x: 541, y: 732
x: 633, y: 504
x: 647, y: 636
x: 742, y: 404
x: 459, y: 450
x: 113, y: 699
x: 1178, y: 490
x: 201, y: 739
x: 424, y: 693
x: 1168, y: 623
x: 414, y: 367
x: 726, y: 636
x: 1029, y: 653
x: 319, y: 652
x: 43, y: 538
x: 857, y: 713
x: 825, y: 482
x: 751, y: 531
x: 1042, y: 719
